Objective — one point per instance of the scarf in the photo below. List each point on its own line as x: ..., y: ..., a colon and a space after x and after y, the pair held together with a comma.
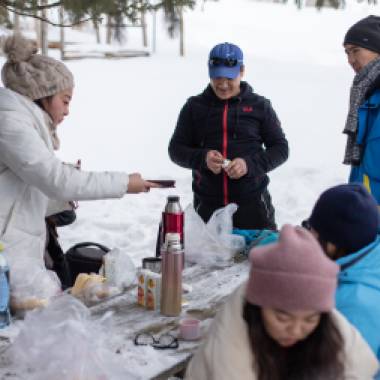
x: 52, y: 131
x: 362, y: 82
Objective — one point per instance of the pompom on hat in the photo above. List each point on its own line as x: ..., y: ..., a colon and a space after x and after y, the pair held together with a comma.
x: 33, y: 75
x: 292, y: 274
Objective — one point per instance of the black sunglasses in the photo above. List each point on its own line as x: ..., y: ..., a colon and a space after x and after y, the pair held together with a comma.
x: 162, y: 342
x: 228, y: 62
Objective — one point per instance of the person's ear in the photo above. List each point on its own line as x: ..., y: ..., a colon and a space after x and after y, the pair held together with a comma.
x: 44, y: 103
x: 242, y: 71
x: 331, y: 250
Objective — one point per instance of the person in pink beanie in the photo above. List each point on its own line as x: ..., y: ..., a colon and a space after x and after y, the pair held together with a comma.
x: 281, y: 324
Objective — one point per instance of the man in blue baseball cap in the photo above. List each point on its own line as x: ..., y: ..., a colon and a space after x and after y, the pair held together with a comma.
x: 225, y: 61
x: 230, y: 137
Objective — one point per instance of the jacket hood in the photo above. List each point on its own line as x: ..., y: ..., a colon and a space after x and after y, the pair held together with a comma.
x: 10, y: 100
x: 365, y: 266
x: 13, y: 101
x: 245, y: 91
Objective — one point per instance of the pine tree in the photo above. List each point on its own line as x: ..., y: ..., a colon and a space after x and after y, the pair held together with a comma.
x: 118, y: 10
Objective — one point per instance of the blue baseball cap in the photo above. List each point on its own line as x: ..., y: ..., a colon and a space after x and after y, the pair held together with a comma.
x: 225, y: 61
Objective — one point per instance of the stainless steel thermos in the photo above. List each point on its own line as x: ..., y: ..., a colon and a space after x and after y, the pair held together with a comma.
x: 171, y: 269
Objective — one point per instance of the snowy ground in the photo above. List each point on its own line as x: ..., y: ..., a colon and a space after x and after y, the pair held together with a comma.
x: 124, y: 111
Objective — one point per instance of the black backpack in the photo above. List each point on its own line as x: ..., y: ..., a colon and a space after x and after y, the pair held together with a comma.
x: 86, y: 257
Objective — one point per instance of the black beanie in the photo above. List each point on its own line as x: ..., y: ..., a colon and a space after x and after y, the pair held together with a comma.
x: 365, y: 33
x: 347, y: 216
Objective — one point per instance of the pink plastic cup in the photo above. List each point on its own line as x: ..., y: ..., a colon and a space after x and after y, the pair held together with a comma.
x: 189, y: 329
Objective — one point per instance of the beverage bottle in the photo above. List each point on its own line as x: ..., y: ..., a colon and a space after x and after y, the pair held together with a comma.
x: 172, y: 221
x: 171, y: 269
x: 5, y: 316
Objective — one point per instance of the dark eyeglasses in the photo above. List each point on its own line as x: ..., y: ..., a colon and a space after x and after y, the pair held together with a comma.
x: 229, y: 62
x: 162, y: 342
x: 306, y: 224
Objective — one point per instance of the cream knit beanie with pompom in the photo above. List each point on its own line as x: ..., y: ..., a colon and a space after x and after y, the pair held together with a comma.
x: 33, y: 75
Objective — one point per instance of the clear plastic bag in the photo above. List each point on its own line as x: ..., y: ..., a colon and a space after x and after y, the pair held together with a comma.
x: 214, y: 242
x: 63, y: 342
x: 32, y: 285
x: 92, y: 288
x: 119, y: 269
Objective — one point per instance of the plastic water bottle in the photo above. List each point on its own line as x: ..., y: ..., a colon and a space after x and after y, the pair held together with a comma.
x: 5, y: 316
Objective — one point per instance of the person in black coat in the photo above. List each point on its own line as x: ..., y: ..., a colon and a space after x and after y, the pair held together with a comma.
x: 231, y: 138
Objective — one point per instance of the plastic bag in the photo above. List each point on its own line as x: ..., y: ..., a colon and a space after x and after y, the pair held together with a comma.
x: 118, y: 269
x: 255, y: 238
x: 211, y: 243
x: 92, y: 288
x: 34, y: 285
x: 63, y: 342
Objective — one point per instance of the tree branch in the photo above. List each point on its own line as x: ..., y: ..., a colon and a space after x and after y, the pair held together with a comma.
x: 8, y: 3
x: 46, y: 19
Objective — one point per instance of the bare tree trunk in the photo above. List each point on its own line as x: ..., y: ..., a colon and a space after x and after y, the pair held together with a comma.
x: 154, y: 31
x: 143, y: 25
x: 44, y: 30
x: 181, y: 31
x: 97, y: 31
x: 62, y: 33
x: 109, y: 30
x: 37, y: 26
x: 16, y: 22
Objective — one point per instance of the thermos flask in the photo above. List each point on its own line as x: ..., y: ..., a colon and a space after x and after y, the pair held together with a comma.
x: 171, y: 269
x: 172, y: 221
x: 5, y: 316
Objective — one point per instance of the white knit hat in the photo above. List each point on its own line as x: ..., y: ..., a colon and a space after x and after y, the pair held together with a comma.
x: 33, y: 75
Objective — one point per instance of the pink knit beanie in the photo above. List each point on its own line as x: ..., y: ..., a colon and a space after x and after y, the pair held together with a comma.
x: 292, y: 274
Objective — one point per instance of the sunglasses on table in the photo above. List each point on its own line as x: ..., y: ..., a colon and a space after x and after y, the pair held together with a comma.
x: 228, y: 62
x: 162, y: 342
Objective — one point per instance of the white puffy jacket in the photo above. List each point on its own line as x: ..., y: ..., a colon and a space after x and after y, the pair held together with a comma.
x: 30, y: 175
x: 226, y: 353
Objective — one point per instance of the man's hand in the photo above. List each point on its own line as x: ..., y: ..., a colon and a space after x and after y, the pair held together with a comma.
x: 214, y: 161
x: 138, y: 185
x: 237, y: 168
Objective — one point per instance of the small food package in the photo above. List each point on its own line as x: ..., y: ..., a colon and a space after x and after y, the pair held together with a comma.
x: 153, y: 291
x: 142, y: 277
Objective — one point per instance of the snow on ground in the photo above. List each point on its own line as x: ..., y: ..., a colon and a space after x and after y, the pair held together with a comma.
x: 124, y: 111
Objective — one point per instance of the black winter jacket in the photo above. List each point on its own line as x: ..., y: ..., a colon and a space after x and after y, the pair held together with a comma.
x: 244, y: 126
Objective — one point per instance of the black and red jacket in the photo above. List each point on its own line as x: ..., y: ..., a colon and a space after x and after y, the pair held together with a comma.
x: 244, y: 126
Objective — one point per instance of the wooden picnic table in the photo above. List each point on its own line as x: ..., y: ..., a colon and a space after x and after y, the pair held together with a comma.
x: 210, y: 287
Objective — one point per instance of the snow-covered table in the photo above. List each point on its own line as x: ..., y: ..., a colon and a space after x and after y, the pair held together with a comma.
x: 210, y: 287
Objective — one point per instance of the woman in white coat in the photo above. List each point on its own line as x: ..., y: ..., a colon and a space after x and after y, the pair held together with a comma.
x: 281, y: 324
x: 36, y: 98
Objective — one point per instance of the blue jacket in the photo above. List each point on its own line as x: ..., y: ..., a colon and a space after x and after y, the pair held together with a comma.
x: 368, y: 172
x: 358, y: 293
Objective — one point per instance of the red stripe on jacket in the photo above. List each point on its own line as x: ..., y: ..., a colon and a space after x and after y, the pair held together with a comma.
x: 225, y: 138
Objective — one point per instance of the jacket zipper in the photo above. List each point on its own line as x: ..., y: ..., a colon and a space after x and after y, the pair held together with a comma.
x: 225, y: 177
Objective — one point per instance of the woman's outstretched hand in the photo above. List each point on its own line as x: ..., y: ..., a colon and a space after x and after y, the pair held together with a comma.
x: 138, y: 185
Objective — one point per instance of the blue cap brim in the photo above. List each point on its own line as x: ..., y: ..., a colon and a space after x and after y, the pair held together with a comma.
x: 224, y: 72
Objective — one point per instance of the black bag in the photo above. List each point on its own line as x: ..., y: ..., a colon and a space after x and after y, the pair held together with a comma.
x: 53, y: 248
x: 85, y: 258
